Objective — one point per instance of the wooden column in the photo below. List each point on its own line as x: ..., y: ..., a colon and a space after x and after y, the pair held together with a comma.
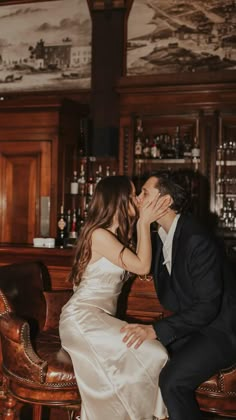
x: 108, y: 44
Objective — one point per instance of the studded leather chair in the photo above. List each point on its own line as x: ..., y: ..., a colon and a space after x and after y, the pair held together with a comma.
x: 35, y: 369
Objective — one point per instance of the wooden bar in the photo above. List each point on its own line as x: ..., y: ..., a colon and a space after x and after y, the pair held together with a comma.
x: 58, y: 261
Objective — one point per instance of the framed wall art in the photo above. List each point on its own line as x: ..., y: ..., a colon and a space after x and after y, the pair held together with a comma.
x: 173, y: 36
x: 45, y: 45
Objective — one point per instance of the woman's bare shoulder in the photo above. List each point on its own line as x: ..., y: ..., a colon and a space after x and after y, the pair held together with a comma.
x: 101, y: 234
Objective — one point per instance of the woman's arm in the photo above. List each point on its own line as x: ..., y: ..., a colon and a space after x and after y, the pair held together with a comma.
x: 104, y: 243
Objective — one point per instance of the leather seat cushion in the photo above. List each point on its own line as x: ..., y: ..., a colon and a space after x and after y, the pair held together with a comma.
x: 60, y: 370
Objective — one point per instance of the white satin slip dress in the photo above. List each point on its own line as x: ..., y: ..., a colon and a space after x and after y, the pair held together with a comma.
x: 115, y: 382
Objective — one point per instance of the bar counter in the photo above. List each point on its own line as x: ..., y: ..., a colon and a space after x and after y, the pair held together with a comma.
x: 57, y: 260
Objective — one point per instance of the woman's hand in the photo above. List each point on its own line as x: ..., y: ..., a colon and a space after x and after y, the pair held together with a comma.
x: 152, y: 211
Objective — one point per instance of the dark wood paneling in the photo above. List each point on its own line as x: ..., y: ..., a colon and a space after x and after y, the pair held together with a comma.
x: 37, y: 140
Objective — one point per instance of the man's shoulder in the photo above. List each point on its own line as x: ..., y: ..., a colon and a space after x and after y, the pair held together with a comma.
x: 190, y: 224
x: 192, y: 230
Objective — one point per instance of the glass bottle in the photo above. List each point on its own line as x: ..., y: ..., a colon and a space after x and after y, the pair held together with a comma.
x: 146, y: 148
x: 61, y: 229
x: 99, y: 175
x: 187, y: 147
x: 154, y: 149
x: 73, y: 229
x: 80, y: 221
x: 90, y: 188
x: 138, y: 148
x: 82, y: 181
x: 74, y: 186
x: 195, y: 149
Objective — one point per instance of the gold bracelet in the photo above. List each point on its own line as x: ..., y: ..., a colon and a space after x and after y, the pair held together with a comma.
x: 145, y: 277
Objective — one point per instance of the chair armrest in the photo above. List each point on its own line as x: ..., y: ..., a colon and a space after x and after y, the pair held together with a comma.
x: 54, y: 303
x: 227, y: 379
x: 19, y: 357
x: 11, y: 327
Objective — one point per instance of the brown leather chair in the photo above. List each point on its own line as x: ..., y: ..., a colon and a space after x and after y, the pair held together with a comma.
x: 218, y: 394
x: 35, y: 369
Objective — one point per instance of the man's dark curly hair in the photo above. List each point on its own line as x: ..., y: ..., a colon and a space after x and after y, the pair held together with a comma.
x: 174, y: 184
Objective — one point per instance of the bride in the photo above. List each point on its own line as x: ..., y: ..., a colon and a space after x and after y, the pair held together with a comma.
x: 116, y: 381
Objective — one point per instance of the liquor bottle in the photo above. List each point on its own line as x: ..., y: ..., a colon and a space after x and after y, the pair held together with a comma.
x: 73, y: 229
x: 108, y: 171
x: 220, y: 154
x: 68, y: 221
x: 85, y: 213
x: 98, y: 176
x: 90, y: 188
x: 158, y: 146
x: 138, y: 148
x: 219, y: 179
x: 82, y: 181
x: 61, y: 229
x: 170, y: 146
x: 195, y: 150
x: 164, y: 145
x: 146, y: 148
x: 74, y: 186
x: 187, y: 146
x: 139, y: 126
x: 178, y: 149
x: 80, y: 221
x: 154, y: 149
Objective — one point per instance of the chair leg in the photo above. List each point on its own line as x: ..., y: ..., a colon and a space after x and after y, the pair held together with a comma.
x: 73, y: 414
x: 10, y: 408
x: 37, y: 412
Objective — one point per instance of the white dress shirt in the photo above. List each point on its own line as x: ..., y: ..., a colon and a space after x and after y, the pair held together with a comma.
x: 167, y: 240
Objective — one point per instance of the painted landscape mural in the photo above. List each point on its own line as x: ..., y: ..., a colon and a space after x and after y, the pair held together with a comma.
x: 171, y: 36
x: 45, y: 46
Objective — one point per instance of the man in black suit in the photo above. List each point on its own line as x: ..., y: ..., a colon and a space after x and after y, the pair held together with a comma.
x: 193, y: 283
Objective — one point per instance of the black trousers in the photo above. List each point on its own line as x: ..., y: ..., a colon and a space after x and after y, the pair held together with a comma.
x: 192, y: 361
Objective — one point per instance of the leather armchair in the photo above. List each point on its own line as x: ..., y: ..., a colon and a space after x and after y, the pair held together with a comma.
x: 35, y: 369
x: 218, y: 394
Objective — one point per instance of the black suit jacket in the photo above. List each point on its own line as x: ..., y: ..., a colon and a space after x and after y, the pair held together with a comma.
x: 200, y: 291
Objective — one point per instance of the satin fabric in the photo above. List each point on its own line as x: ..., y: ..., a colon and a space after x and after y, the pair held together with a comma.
x: 115, y: 382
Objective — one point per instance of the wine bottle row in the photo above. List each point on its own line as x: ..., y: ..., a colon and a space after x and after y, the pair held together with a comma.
x: 227, y: 150
x: 69, y: 225
x: 83, y: 184
x: 71, y: 220
x: 165, y: 145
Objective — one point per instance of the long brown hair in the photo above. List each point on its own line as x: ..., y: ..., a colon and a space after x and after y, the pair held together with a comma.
x: 112, y: 195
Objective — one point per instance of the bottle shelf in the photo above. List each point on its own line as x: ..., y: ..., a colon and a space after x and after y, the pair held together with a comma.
x: 226, y: 195
x: 226, y: 163
x: 177, y: 161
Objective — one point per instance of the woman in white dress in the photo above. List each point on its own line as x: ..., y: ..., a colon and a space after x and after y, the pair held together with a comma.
x: 116, y: 381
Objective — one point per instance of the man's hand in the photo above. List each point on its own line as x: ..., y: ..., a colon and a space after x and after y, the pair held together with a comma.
x: 137, y: 334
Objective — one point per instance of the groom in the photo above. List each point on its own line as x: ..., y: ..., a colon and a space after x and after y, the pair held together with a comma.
x: 188, y: 271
